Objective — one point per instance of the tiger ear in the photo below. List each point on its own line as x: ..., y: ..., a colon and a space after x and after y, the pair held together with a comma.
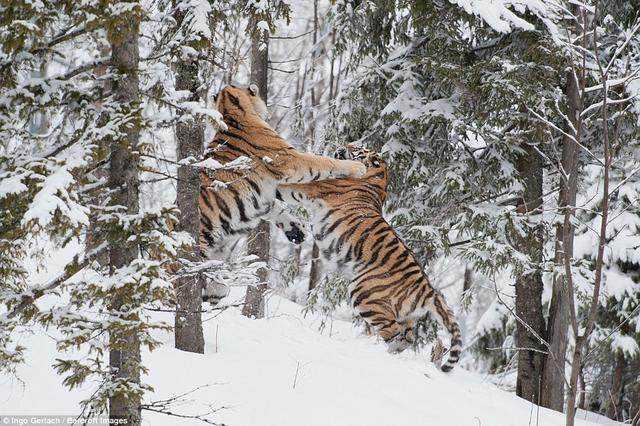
x: 253, y: 89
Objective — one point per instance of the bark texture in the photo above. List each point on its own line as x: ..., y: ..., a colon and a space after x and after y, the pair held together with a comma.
x: 614, y: 410
x: 559, y: 318
x: 529, y: 286
x: 124, y: 348
x: 258, y: 244
x: 190, y: 141
x: 260, y: 238
x: 314, y: 273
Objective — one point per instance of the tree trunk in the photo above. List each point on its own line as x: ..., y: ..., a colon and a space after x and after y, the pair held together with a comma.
x: 558, y: 325
x: 633, y: 394
x: 529, y: 287
x: 615, y: 399
x: 576, y: 361
x: 582, y: 399
x: 190, y: 139
x: 258, y: 244
x: 314, y: 273
x: 581, y: 340
x: 259, y: 239
x: 124, y: 348
x: 314, y: 95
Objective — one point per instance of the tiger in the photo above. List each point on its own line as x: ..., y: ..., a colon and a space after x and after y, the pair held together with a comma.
x: 233, y: 201
x: 388, y: 288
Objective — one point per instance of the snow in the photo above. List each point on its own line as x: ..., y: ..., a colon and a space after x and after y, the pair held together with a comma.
x: 209, y: 163
x: 618, y: 285
x: 492, y: 319
x: 201, y: 12
x: 11, y: 185
x: 282, y: 371
x: 499, y: 16
x: 625, y: 344
x: 52, y: 197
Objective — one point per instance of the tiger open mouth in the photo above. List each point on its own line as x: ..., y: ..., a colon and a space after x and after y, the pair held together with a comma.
x: 354, y: 152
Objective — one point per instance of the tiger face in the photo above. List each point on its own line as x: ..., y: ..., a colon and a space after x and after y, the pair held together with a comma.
x: 371, y: 159
x: 241, y: 100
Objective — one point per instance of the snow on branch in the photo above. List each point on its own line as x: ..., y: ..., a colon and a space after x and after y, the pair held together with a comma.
x: 78, y: 263
x: 498, y: 14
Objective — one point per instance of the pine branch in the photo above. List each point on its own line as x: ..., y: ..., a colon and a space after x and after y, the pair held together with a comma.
x: 76, y: 265
x: 290, y: 37
x: 83, y: 68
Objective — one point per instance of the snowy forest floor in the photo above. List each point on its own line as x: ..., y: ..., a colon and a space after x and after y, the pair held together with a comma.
x: 284, y: 371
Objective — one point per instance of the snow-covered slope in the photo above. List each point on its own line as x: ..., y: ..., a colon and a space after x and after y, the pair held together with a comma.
x: 282, y: 371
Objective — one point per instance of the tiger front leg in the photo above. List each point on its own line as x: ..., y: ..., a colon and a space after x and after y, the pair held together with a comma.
x: 305, y: 167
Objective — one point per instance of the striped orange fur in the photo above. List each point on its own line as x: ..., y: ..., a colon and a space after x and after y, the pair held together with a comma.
x: 388, y: 287
x: 233, y: 202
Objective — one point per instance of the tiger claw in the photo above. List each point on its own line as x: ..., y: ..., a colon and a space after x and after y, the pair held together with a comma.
x: 359, y: 169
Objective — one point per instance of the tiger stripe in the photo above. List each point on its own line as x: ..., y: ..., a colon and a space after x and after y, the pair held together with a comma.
x: 388, y: 288
x: 228, y: 212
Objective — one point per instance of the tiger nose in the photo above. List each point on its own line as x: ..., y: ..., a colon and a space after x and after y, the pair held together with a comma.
x: 295, y: 235
x: 341, y: 153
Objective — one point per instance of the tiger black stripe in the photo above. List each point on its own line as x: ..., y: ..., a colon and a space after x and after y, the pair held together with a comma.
x: 249, y: 195
x: 388, y: 288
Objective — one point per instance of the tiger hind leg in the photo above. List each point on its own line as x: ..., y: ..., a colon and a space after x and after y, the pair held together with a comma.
x: 393, y: 333
x: 403, y: 340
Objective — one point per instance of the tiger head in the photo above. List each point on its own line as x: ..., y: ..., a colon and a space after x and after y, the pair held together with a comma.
x: 369, y: 158
x: 377, y: 173
x: 242, y: 102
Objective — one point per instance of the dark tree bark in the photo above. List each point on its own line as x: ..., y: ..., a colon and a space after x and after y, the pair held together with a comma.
x: 314, y: 92
x: 190, y: 138
x: 258, y: 244
x: 615, y: 399
x: 259, y: 239
x: 467, y: 281
x: 582, y: 400
x: 529, y: 287
x: 124, y: 348
x: 314, y: 273
x: 633, y: 394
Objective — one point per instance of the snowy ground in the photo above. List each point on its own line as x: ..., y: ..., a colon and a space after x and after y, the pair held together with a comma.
x: 283, y: 371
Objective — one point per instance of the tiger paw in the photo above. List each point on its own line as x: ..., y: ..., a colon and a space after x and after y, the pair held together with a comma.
x: 397, y: 345
x: 356, y: 169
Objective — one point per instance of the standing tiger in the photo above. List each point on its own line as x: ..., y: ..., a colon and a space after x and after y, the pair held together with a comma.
x: 232, y: 202
x: 388, y: 287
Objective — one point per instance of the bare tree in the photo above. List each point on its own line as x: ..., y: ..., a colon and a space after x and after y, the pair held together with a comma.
x: 552, y: 394
x: 124, y: 346
x: 315, y: 271
x: 581, y: 340
x: 190, y: 141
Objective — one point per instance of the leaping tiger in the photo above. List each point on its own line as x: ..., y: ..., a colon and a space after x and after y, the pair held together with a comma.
x: 388, y: 289
x: 236, y: 206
